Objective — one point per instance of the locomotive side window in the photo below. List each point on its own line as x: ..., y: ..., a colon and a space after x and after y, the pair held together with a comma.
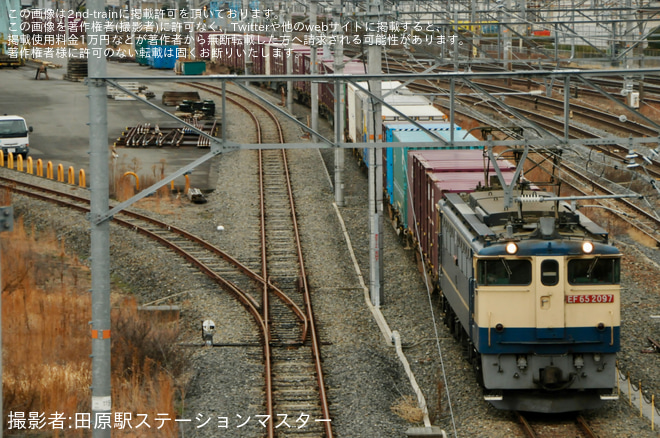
x: 595, y: 270
x: 457, y: 247
x: 549, y: 272
x: 495, y: 272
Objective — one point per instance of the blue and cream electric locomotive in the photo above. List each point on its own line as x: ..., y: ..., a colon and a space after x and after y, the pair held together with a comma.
x: 533, y: 291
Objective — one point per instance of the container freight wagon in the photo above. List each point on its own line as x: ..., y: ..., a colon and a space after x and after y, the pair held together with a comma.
x: 228, y: 50
x: 302, y: 66
x: 242, y: 54
x: 257, y: 50
x: 327, y: 89
x: 404, y: 105
x: 278, y: 57
x: 413, y: 106
x: 431, y: 174
x: 397, y: 159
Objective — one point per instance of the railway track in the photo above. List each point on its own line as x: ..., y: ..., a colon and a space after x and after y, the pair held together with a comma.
x: 296, y: 376
x: 644, y: 222
x: 557, y: 427
x: 651, y: 84
x: 589, y: 114
x: 291, y: 349
x: 240, y: 280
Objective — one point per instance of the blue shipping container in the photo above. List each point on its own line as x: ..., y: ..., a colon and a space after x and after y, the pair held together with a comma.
x: 397, y: 165
x: 163, y: 57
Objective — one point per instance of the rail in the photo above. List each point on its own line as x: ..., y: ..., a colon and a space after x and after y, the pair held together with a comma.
x: 277, y: 136
x: 556, y: 427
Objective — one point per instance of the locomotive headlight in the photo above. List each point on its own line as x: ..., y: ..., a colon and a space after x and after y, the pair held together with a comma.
x: 511, y: 248
x: 587, y: 247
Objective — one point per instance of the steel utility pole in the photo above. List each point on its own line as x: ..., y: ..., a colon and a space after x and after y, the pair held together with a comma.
x: 100, y: 232
x: 375, y: 124
x: 6, y: 224
x: 288, y: 56
x: 313, y: 69
x: 339, y: 111
x: 506, y: 34
x: 476, y: 29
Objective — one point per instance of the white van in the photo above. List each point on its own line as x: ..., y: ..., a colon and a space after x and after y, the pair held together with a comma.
x: 14, y: 135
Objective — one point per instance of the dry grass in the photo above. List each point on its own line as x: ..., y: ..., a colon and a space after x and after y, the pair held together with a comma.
x: 46, y: 340
x: 407, y: 409
x: 123, y: 187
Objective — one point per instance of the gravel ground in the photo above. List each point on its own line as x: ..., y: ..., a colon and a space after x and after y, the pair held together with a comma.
x: 364, y: 377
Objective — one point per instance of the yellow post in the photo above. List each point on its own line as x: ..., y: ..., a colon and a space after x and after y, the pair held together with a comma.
x: 172, y: 185
x: 19, y: 162
x: 71, y: 175
x: 629, y: 390
x: 30, y: 166
x: 49, y: 170
x: 652, y: 411
x: 137, y: 180
x: 641, y: 396
x: 40, y: 168
x: 60, y: 173
x: 2, y: 159
x: 82, y: 182
x: 10, y: 160
x: 185, y: 190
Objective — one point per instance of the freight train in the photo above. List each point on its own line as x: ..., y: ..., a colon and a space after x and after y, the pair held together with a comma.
x: 531, y: 287
x: 533, y: 294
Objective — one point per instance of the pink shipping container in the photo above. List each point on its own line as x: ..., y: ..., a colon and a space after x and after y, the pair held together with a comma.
x: 421, y: 162
x: 461, y: 171
x: 229, y: 50
x: 234, y: 55
x: 327, y: 90
x: 257, y: 53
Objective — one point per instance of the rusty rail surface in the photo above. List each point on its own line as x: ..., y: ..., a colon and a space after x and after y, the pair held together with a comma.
x: 584, y: 425
x: 574, y: 426
x: 526, y: 427
x: 278, y: 137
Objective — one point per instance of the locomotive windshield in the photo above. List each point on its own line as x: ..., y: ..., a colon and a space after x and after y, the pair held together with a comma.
x: 595, y: 270
x: 501, y: 271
